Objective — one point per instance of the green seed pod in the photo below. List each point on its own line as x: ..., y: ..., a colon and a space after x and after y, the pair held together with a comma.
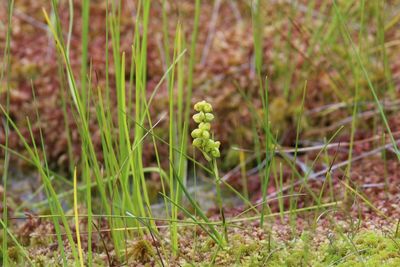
x: 201, y: 136
x: 207, y: 107
x: 198, y: 142
x: 208, y: 117
x: 205, y: 126
x: 199, y: 105
x: 217, y: 144
x: 207, y: 149
x: 210, y: 143
x: 199, y: 117
x: 215, y: 153
x: 206, y: 135
x: 196, y: 133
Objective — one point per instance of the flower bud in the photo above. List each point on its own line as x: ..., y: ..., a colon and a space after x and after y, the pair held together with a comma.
x: 210, y: 143
x: 199, y: 105
x: 205, y: 126
x: 215, y: 153
x: 196, y: 133
x: 199, y: 117
x: 201, y: 136
x: 207, y: 107
x: 206, y: 134
x: 208, y: 117
x: 197, y: 142
x: 207, y: 149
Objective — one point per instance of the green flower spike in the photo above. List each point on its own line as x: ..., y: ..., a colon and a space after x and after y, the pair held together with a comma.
x: 201, y: 136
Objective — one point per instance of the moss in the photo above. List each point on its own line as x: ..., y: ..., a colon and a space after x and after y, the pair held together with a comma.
x: 278, y: 113
x: 295, y: 253
x: 141, y: 251
x: 365, y: 248
x: 14, y: 254
x: 41, y: 261
x: 371, y: 249
x: 27, y: 69
x: 241, y: 249
x: 41, y: 240
x: 374, y: 249
x: 207, y: 246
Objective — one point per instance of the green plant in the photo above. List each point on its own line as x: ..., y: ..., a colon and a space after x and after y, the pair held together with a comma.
x: 209, y: 148
x: 202, y: 137
x: 5, y: 72
x: 116, y: 185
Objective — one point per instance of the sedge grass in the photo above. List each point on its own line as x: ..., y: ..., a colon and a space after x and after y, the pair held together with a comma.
x: 76, y: 215
x: 54, y: 204
x: 5, y: 73
x: 367, y: 77
x: 21, y: 248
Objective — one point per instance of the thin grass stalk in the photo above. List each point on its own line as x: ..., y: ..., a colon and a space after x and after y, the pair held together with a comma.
x: 164, y: 178
x: 5, y: 72
x: 14, y: 239
x: 263, y: 90
x: 76, y: 217
x: 140, y: 98
x: 192, y: 61
x: 366, y: 75
x: 298, y: 129
x: 84, y: 55
x: 219, y: 201
x: 380, y: 16
x: 356, y: 74
x: 54, y: 205
x: 171, y: 155
x: 181, y: 124
x: 269, y: 154
x: 43, y: 163
x: 243, y: 173
x: 70, y: 25
x: 84, y: 128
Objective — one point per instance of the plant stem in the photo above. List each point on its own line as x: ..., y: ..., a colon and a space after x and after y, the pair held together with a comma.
x: 219, y: 198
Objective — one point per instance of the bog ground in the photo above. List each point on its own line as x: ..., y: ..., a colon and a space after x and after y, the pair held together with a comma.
x: 199, y: 133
